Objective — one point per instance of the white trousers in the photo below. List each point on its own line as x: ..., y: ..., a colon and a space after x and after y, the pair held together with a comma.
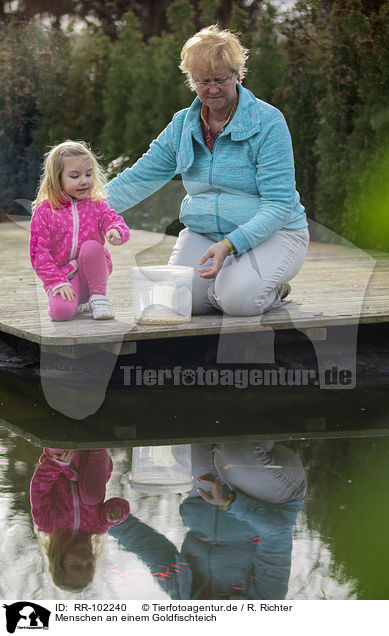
x: 247, y: 284
x: 262, y: 470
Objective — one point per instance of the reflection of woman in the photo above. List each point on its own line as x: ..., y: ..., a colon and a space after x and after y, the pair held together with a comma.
x: 242, y: 212
x: 69, y: 511
x: 237, y: 545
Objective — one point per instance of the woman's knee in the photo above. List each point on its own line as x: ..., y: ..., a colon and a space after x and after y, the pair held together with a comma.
x: 243, y: 453
x: 188, y: 249
x: 242, y: 299
x: 262, y: 470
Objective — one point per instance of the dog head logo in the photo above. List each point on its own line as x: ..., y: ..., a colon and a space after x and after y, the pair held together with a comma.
x: 25, y: 614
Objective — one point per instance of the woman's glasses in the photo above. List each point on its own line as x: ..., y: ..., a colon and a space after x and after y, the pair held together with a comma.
x: 220, y: 81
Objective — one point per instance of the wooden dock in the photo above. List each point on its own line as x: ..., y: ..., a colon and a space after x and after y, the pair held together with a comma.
x: 338, y: 285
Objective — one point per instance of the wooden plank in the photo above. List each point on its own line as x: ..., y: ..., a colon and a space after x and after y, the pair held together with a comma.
x: 82, y: 350
x: 337, y: 286
x: 41, y: 439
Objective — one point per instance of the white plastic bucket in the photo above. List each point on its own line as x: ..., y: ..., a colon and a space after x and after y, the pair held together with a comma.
x: 162, y: 294
x: 159, y: 469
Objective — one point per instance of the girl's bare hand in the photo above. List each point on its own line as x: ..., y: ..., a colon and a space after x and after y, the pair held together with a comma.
x: 113, y: 237
x: 218, y: 495
x: 66, y: 291
x: 217, y: 253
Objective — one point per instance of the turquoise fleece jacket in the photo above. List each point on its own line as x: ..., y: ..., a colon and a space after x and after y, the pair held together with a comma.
x: 242, y: 553
x: 244, y: 190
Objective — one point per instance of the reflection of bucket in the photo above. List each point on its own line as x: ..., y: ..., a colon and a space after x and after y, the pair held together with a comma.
x: 162, y: 293
x: 158, y: 469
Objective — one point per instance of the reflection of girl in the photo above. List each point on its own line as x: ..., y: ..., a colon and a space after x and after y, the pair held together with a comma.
x: 240, y: 534
x: 70, y: 514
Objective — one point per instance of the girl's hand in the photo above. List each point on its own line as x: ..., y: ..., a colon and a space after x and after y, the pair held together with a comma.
x: 66, y: 291
x: 218, y: 495
x: 113, y: 237
x: 217, y: 253
x: 114, y: 514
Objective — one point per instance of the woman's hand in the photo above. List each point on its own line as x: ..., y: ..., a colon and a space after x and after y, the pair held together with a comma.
x: 218, y: 495
x: 113, y: 237
x: 217, y: 253
x: 66, y: 291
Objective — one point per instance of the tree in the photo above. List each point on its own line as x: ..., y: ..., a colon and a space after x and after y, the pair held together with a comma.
x: 267, y: 58
x: 31, y: 98
x: 125, y: 73
x: 365, y: 217
x: 85, y: 81
x: 300, y: 90
x: 152, y: 14
x: 145, y: 86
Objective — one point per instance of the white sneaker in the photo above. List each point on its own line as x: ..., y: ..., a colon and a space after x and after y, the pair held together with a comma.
x: 100, y: 307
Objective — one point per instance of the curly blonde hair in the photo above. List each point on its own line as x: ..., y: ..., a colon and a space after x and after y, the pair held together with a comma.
x: 50, y: 185
x: 210, y: 46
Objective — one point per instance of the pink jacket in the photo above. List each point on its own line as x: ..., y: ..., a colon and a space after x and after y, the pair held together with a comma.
x: 56, y: 504
x: 56, y: 238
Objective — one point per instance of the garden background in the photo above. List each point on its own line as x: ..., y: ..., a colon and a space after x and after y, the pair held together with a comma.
x: 107, y: 72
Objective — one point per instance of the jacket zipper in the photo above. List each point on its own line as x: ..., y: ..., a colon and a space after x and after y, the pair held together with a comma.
x: 210, y: 178
x: 76, y: 228
x: 76, y: 507
x: 210, y: 551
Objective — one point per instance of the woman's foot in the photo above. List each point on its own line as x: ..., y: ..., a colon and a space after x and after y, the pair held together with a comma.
x: 284, y: 290
x: 100, y: 307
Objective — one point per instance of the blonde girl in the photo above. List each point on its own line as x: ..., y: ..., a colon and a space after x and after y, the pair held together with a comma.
x: 71, y: 514
x: 70, y: 223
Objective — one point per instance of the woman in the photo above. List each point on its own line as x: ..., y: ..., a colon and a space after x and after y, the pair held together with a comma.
x: 240, y: 546
x: 243, y: 217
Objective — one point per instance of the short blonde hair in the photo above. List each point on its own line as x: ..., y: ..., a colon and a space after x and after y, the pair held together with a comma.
x: 50, y: 185
x: 210, y: 46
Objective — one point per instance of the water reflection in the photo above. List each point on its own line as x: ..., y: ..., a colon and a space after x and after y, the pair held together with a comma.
x: 160, y: 469
x: 240, y: 530
x: 339, y: 546
x: 70, y: 512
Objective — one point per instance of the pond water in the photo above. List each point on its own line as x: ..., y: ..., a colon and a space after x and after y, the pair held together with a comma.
x: 269, y: 544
